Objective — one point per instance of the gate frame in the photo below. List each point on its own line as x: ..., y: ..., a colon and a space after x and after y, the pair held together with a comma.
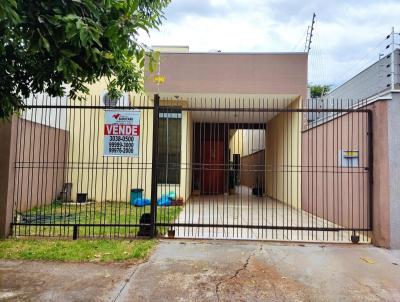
x: 154, y: 182
x: 369, y: 132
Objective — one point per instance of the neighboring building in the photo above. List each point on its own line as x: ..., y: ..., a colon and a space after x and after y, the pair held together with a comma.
x: 375, y: 82
x: 372, y: 82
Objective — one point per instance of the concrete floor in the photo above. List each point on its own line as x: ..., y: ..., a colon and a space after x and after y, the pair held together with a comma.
x: 215, y: 271
x: 243, y: 208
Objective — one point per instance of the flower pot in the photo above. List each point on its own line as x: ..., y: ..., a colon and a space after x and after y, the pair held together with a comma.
x: 257, y: 192
x: 171, y: 233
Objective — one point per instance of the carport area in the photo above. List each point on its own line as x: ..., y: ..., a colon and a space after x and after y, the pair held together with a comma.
x: 257, y: 169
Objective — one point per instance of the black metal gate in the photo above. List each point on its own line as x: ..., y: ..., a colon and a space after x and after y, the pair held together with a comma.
x: 224, y: 168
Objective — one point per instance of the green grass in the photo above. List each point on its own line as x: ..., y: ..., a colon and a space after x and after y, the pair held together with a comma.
x: 99, y: 250
x: 102, y: 213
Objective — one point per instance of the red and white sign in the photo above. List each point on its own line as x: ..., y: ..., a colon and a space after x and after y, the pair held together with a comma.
x: 121, y: 132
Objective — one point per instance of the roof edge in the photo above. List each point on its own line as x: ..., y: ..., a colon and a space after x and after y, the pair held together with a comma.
x: 234, y: 53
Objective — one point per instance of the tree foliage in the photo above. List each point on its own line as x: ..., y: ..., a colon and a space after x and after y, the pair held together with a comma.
x: 317, y: 91
x: 48, y: 44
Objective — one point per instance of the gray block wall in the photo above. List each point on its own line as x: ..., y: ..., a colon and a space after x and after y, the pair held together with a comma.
x: 369, y: 82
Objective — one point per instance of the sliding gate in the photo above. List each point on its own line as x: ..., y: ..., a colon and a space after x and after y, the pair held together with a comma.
x: 223, y: 168
x: 271, y: 169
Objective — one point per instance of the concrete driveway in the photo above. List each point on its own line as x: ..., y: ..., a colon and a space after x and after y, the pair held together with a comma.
x: 215, y: 271
x: 243, y: 208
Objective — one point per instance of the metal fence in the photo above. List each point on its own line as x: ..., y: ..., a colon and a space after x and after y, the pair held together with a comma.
x: 207, y: 167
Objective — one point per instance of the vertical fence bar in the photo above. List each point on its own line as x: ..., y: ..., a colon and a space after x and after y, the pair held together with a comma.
x: 154, y: 164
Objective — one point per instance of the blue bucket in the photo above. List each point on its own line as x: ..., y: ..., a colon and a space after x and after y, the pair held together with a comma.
x: 136, y: 194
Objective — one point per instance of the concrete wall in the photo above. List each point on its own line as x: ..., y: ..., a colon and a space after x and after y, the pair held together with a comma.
x: 32, y: 166
x: 244, y: 73
x: 250, y: 144
x: 253, y: 141
x: 381, y: 177
x: 394, y: 169
x: 247, y: 141
x: 329, y: 190
x: 41, y: 152
x: 319, y: 187
x: 53, y: 117
x: 6, y: 174
x: 236, y: 143
x: 252, y: 170
x: 283, y: 156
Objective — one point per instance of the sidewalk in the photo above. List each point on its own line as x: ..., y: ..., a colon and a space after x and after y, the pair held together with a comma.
x: 215, y: 271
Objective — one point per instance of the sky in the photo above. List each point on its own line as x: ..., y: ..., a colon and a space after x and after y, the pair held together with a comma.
x: 349, y: 35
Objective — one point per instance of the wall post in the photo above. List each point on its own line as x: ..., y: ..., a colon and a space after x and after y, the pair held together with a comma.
x: 7, y: 148
x: 154, y: 166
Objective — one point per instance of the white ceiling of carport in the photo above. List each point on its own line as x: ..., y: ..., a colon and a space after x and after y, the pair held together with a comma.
x: 233, y: 101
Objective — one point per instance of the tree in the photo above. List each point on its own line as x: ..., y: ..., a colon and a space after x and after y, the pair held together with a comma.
x: 46, y: 45
x: 317, y: 91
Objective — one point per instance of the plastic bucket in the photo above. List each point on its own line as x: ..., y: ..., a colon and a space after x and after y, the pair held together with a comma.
x: 136, y: 193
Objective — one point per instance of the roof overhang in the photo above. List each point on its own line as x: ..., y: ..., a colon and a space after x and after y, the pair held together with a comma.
x: 228, y: 108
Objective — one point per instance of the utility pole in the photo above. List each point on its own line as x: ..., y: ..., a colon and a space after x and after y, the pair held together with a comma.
x: 310, y: 30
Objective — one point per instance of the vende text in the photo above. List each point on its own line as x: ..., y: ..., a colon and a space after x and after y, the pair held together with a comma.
x: 116, y: 129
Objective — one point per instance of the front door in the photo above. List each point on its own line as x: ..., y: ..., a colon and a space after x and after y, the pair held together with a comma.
x: 212, y: 172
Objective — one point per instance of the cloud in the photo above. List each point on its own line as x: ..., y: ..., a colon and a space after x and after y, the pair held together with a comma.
x: 349, y: 34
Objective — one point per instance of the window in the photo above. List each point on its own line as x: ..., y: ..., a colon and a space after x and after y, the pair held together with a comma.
x: 169, y: 146
x: 108, y: 102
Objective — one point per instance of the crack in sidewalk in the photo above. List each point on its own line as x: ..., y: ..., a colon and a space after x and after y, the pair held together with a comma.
x: 237, y: 272
x: 127, y: 280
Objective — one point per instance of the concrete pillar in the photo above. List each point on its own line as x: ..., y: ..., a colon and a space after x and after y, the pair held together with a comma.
x: 6, y: 175
x: 394, y: 169
x: 380, y: 197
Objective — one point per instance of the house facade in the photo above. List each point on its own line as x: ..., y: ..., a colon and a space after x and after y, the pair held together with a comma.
x: 235, y: 133
x: 204, y: 81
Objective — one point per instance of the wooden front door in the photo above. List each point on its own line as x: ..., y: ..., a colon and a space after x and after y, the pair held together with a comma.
x: 212, y: 172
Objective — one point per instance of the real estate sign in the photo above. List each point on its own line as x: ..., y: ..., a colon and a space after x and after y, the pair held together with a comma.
x: 121, y: 133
